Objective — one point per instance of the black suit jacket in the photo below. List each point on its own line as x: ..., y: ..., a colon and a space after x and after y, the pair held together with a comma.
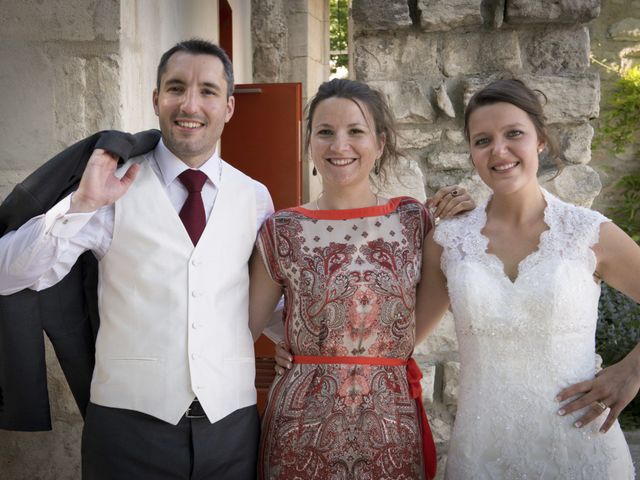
x: 67, y: 311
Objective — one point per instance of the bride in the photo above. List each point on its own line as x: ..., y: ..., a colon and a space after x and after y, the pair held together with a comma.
x: 522, y: 273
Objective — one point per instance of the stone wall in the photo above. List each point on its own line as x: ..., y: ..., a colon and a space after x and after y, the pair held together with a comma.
x: 59, y: 82
x: 429, y: 57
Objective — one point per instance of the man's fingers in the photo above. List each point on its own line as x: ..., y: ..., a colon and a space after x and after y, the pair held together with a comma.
x: 130, y: 175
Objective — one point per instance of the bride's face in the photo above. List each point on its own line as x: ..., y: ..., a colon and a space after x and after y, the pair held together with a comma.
x: 504, y: 147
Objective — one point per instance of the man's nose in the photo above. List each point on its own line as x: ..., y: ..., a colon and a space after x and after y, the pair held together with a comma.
x: 190, y: 101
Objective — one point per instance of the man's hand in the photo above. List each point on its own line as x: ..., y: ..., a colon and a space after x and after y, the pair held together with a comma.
x: 283, y: 359
x: 450, y: 201
x: 99, y: 185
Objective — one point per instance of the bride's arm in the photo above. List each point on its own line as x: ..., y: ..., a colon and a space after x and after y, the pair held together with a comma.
x: 615, y: 386
x: 432, y: 297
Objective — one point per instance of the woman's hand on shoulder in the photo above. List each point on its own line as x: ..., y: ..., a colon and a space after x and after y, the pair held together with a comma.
x: 450, y: 201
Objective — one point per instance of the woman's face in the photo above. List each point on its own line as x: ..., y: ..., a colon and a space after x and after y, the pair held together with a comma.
x: 343, y: 143
x: 504, y: 147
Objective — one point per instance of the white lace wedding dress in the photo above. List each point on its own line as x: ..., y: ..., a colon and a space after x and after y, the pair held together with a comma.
x: 522, y: 342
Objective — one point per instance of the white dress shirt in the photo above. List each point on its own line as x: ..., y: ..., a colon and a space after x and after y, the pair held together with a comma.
x: 43, y: 250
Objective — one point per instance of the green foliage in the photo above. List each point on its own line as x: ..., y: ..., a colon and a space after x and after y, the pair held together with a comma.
x: 626, y: 212
x: 617, y: 333
x: 338, y: 33
x: 621, y: 122
x: 618, y: 329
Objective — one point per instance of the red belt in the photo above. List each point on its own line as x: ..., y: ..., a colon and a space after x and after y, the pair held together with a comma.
x: 414, y: 375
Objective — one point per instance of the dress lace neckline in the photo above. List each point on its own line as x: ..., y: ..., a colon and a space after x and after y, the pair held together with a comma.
x: 528, y: 260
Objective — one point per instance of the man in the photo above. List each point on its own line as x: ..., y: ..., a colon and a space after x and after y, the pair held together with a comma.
x: 172, y: 393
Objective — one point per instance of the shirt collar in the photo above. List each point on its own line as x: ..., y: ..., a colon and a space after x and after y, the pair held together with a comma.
x: 171, y: 166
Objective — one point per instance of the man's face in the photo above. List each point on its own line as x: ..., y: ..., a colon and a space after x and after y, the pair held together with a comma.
x: 192, y: 106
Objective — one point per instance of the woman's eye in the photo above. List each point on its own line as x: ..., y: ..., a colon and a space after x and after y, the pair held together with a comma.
x: 324, y: 132
x: 481, y: 142
x: 356, y: 131
x: 515, y: 133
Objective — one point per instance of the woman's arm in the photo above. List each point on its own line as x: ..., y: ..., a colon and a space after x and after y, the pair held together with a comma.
x: 432, y: 297
x: 615, y: 386
x: 264, y: 294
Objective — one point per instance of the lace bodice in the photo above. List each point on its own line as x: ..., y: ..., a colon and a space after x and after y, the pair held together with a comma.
x: 521, y: 342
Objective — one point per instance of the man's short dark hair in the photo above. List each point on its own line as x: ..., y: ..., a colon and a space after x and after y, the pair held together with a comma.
x: 197, y: 46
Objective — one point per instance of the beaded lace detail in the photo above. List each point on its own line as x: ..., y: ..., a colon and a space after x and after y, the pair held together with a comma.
x: 521, y: 342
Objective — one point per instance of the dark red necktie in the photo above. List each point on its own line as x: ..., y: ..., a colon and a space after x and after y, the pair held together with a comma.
x: 192, y: 212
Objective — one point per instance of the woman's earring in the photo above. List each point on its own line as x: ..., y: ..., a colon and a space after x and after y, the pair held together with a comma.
x: 314, y: 172
x: 376, y: 166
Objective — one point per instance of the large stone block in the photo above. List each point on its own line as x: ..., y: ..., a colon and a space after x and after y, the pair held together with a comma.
x: 626, y: 30
x: 71, y: 20
x: 409, y: 100
x: 406, y: 179
x: 380, y: 14
x: 451, y: 385
x: 554, y: 50
x: 103, y: 93
x: 449, y: 160
x: 418, y: 138
x: 547, y: 11
x: 70, y: 97
x: 578, y: 184
x: 440, y: 430
x: 442, y: 341
x: 438, y: 16
x: 571, y: 98
x: 473, y: 53
x: 27, y: 94
x: 428, y: 382
x: 574, y: 142
x: 393, y: 57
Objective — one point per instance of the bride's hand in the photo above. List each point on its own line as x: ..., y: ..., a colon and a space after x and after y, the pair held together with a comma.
x: 283, y: 359
x: 612, y: 388
x: 450, y: 201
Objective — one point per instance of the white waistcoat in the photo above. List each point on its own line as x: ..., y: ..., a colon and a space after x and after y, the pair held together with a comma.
x: 174, y: 318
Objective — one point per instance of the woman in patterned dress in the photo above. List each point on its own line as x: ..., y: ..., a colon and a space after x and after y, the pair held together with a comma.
x: 348, y: 264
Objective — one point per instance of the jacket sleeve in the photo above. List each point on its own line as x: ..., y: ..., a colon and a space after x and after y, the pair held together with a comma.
x: 68, y: 310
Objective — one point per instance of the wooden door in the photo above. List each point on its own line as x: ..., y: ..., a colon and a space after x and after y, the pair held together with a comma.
x: 264, y: 140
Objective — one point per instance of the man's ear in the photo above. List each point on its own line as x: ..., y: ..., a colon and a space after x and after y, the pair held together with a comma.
x: 155, y: 101
x: 231, y: 105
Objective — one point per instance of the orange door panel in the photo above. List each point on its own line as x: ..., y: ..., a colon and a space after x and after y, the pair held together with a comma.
x: 263, y: 139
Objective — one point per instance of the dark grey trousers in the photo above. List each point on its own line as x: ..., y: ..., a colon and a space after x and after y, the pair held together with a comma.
x: 120, y: 444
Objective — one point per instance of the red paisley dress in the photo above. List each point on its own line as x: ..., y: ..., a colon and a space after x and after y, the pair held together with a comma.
x: 349, y: 278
